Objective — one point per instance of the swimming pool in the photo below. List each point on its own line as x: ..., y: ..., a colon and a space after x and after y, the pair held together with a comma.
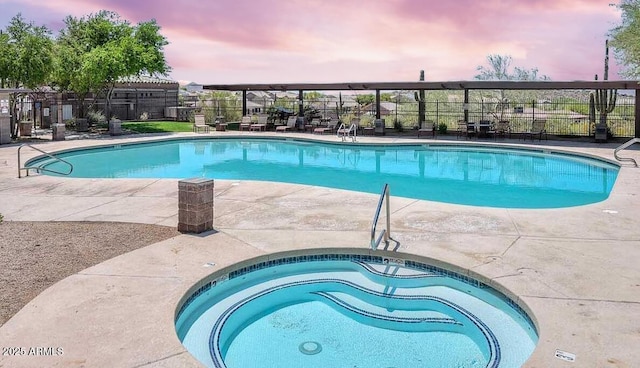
x: 351, y: 310
x: 461, y: 174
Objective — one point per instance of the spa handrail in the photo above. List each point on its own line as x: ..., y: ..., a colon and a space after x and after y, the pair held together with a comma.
x: 40, y: 168
x: 386, y: 233
x: 623, y: 146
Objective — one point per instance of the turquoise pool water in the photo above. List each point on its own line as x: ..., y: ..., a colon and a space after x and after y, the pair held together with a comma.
x: 352, y: 311
x: 471, y: 175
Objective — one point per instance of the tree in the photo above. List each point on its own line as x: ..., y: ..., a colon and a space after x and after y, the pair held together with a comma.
x: 6, y: 59
x: 625, y: 38
x: 366, y: 99
x: 33, y: 63
x: 387, y: 97
x: 95, y: 51
x: 313, y: 96
x: 25, y: 58
x: 498, y: 69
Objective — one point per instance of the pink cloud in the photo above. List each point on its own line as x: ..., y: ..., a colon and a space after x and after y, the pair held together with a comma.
x: 228, y: 41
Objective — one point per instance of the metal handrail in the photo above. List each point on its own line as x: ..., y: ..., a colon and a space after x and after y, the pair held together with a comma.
x: 40, y: 168
x: 343, y: 133
x: 623, y: 146
x: 386, y: 233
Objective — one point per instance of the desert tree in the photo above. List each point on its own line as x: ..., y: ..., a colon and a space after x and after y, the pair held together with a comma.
x: 94, y: 52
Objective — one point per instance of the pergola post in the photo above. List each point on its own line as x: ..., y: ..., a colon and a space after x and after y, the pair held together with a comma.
x: 244, y: 102
x: 300, y: 103
x: 637, y: 114
x: 378, y: 104
x: 466, y: 105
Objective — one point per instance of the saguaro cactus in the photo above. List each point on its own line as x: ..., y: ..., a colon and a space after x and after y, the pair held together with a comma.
x: 605, y: 102
x: 339, y: 107
x: 592, y: 108
x: 592, y: 112
x: 419, y: 96
x: 605, y: 99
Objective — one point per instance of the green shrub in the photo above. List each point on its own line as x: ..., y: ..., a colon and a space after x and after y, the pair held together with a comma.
x: 442, y: 128
x: 397, y: 125
x: 96, y: 117
x: 70, y: 124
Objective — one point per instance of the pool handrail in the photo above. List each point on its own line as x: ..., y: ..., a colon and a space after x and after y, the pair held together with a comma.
x: 386, y: 233
x: 623, y: 146
x: 344, y: 132
x: 40, y: 168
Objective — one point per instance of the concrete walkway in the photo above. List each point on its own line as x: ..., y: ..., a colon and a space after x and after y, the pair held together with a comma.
x: 575, y: 268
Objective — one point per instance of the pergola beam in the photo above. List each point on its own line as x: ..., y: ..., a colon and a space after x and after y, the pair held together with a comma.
x: 450, y: 85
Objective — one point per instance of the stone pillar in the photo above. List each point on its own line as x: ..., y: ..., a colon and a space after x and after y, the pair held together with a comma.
x: 25, y: 128
x: 5, y: 130
x: 5, y: 119
x: 57, y: 132
x: 195, y: 205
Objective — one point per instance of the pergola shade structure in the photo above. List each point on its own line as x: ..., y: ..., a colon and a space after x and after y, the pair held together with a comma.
x: 464, y: 86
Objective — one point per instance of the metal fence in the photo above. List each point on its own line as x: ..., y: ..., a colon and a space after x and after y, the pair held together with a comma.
x: 563, y: 118
x: 566, y: 112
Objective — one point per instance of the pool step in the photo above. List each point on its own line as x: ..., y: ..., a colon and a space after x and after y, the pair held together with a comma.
x: 397, y: 319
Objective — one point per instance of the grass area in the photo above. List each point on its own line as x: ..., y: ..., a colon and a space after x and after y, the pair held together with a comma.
x: 158, y: 126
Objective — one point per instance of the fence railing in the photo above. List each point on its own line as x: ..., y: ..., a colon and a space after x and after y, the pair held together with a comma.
x: 564, y: 116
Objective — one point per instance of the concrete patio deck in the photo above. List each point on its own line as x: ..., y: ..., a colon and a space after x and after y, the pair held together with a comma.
x: 575, y: 268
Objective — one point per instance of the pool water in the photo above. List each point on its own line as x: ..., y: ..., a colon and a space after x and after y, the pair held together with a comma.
x: 352, y: 311
x: 470, y: 175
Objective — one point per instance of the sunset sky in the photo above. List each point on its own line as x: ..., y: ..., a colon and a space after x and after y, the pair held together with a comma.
x: 270, y: 41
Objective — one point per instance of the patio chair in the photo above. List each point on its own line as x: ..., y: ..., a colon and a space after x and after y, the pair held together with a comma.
x: 311, y: 127
x: 428, y: 127
x: 199, y: 125
x: 261, y: 124
x: 538, y: 128
x: 245, y: 123
x: 465, y: 129
x: 503, y: 127
x: 291, y: 123
x: 485, y: 128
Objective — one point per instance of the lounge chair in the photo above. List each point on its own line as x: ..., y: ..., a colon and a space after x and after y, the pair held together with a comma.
x: 538, y: 127
x: 199, y: 124
x: 261, y: 124
x: 321, y: 129
x: 428, y: 127
x: 291, y: 123
x: 315, y: 122
x: 245, y: 123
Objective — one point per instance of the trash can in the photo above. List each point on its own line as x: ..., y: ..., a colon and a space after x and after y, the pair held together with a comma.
x: 378, y: 126
x: 82, y: 125
x: 25, y: 128
x: 115, y: 127
x: 601, y: 133
x: 58, y: 132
